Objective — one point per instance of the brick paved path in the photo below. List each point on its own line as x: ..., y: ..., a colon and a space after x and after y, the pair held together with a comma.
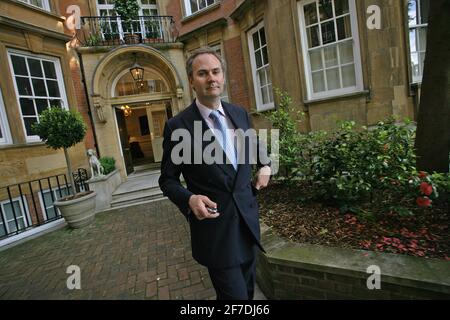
x: 139, y: 252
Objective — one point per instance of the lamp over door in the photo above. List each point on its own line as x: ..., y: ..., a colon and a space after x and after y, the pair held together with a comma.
x: 137, y: 72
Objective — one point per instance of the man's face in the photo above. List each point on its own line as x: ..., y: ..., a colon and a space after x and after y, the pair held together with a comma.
x: 207, y: 78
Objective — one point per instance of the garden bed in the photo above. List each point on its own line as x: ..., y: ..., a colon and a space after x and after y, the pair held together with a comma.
x: 425, y: 233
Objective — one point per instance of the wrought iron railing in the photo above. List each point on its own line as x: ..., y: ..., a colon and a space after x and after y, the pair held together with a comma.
x: 111, y: 30
x: 30, y: 204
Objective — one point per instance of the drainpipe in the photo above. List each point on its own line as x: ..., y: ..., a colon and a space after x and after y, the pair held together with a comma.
x: 83, y: 79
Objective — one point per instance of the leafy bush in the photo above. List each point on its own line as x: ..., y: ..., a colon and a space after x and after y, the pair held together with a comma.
x: 108, y: 163
x: 285, y: 118
x: 61, y: 129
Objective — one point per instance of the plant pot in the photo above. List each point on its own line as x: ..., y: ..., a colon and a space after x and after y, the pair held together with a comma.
x: 131, y: 39
x: 78, y: 212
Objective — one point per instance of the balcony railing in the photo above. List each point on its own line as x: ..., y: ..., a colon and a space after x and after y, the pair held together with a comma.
x: 30, y: 204
x: 111, y: 30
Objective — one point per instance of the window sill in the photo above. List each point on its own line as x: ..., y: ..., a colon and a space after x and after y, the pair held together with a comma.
x: 21, y: 145
x: 39, y: 9
x: 365, y: 93
x: 201, y: 12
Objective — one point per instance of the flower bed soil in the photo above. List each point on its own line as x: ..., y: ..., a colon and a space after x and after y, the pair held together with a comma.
x: 424, y: 234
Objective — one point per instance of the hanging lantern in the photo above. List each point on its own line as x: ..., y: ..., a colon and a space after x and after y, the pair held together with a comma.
x: 137, y: 72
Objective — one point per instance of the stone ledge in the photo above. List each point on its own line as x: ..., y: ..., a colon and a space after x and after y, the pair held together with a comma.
x: 330, y: 269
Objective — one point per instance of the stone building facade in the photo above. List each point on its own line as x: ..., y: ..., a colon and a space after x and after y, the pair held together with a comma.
x: 355, y: 60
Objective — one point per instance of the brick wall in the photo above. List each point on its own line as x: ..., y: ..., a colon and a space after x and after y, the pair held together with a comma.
x: 295, y: 271
x: 236, y: 72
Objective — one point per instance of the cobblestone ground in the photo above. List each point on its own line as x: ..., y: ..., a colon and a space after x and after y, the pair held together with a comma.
x: 139, y: 252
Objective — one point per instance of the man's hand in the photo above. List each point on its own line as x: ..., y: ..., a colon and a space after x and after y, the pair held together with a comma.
x: 262, y: 177
x: 198, y: 204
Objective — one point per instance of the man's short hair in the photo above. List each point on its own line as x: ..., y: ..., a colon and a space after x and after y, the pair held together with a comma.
x: 204, y: 50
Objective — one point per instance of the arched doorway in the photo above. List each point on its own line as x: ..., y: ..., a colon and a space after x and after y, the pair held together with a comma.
x: 137, y: 111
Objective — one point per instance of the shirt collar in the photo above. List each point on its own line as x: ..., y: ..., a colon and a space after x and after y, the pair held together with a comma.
x: 205, y: 111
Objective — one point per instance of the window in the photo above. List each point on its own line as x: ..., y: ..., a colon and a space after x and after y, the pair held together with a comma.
x: 5, y: 137
x: 113, y: 28
x: 18, y: 208
x: 330, y: 47
x: 47, y: 199
x: 43, y: 4
x: 152, y: 83
x: 418, y: 21
x: 225, y: 95
x: 193, y: 6
x: 260, y: 68
x: 39, y: 85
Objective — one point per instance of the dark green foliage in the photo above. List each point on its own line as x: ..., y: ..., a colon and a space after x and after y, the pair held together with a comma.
x: 108, y: 163
x: 60, y: 128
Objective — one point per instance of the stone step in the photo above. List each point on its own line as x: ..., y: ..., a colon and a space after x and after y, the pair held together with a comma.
x: 134, y: 197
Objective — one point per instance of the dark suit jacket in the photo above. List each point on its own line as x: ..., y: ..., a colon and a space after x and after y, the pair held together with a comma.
x: 229, y: 239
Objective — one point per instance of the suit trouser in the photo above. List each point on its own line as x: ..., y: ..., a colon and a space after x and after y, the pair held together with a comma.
x: 234, y: 283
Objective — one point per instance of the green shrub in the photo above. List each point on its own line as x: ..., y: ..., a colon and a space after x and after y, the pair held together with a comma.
x: 108, y: 163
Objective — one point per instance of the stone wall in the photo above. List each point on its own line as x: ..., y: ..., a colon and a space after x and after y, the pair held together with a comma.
x: 294, y: 271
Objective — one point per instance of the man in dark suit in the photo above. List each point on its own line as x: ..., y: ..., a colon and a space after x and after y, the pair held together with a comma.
x: 220, y: 199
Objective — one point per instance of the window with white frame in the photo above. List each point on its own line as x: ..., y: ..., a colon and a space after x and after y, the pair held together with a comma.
x: 193, y: 6
x: 330, y: 45
x: 49, y: 197
x: 112, y: 28
x: 225, y: 95
x: 39, y: 85
x: 14, y: 216
x: 417, y: 21
x: 5, y: 136
x: 43, y: 4
x: 259, y: 58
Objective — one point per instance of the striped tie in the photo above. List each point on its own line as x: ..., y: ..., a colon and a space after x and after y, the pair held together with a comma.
x: 219, y: 123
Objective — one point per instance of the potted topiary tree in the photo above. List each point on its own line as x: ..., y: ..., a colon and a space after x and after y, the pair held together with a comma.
x: 128, y: 10
x: 62, y: 129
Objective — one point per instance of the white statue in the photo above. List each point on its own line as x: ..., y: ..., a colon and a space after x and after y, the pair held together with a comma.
x: 97, y: 169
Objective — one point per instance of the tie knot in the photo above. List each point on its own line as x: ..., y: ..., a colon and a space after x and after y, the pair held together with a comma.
x: 214, y: 115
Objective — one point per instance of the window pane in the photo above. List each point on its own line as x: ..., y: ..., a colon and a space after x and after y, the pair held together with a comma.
x: 27, y: 107
x: 194, y: 7
x: 28, y: 123
x: 328, y: 34
x: 415, y: 65
x: 35, y: 67
x: 346, y: 52
x: 330, y: 54
x: 256, y: 44
x: 2, y: 229
x: 19, y: 65
x: 313, y: 36
x: 262, y: 34
x: 1, y: 133
x: 24, y: 87
x: 421, y: 61
x: 9, y: 212
x: 55, y: 103
x: 258, y: 59
x: 49, y: 69
x: 318, y: 81
x: 53, y: 90
x: 333, y: 79
x: 412, y: 12
x: 39, y: 87
x: 316, y: 59
x: 348, y: 76
x: 270, y: 90
x: 424, y: 10
x: 412, y: 40
x: 37, y: 3
x: 422, y: 39
x: 41, y: 105
x: 344, y: 27
x: 310, y: 11
x: 325, y: 9
x: 341, y: 7
x: 262, y: 77
x: 265, y: 95
x: 265, y: 56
